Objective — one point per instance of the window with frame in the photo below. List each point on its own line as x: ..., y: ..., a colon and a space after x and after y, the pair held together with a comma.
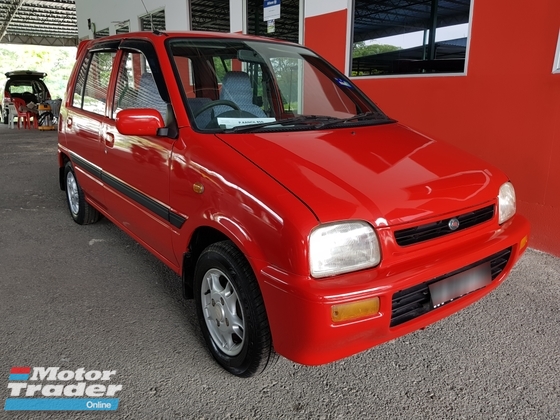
x: 556, y: 64
x: 80, y: 83
x: 392, y: 37
x: 92, y: 85
x: 153, y: 21
x: 122, y: 28
x: 136, y: 87
x: 101, y: 33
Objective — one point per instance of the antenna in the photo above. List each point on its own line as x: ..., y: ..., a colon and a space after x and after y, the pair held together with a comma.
x: 151, y: 21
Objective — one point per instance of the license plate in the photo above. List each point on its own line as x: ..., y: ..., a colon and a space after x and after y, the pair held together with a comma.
x: 460, y: 284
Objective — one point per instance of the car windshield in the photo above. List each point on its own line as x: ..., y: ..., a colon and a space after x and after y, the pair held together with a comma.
x: 236, y: 85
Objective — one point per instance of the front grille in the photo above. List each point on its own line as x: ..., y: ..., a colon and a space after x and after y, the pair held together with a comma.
x: 434, y: 230
x: 415, y: 301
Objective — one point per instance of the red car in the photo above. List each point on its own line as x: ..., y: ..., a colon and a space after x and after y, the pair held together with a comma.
x: 303, y: 220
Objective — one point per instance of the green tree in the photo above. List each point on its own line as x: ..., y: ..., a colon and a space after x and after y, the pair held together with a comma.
x: 360, y: 49
x: 57, y: 62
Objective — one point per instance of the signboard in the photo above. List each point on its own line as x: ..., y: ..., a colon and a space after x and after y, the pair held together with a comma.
x: 270, y: 26
x: 271, y: 10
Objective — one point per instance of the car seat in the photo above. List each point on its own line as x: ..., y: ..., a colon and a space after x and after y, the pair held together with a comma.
x: 236, y: 87
x: 148, y: 96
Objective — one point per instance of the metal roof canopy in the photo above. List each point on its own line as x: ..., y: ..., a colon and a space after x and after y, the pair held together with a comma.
x: 54, y: 22
x: 213, y: 15
x: 381, y: 18
x: 39, y: 22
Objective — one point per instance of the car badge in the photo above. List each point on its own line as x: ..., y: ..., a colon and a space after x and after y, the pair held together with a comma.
x: 453, y: 224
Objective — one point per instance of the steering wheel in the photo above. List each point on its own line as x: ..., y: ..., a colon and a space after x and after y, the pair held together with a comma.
x: 216, y: 103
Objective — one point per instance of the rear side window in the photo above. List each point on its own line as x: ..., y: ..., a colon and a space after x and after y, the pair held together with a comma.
x: 80, y: 82
x: 92, y: 85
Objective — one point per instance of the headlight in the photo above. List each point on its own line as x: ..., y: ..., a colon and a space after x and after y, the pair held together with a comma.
x: 506, y: 202
x: 342, y: 247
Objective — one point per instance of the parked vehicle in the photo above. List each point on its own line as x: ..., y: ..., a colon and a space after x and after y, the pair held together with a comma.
x: 303, y: 220
x: 27, y: 85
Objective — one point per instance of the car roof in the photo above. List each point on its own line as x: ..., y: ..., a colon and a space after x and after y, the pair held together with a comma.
x: 26, y: 74
x: 154, y: 36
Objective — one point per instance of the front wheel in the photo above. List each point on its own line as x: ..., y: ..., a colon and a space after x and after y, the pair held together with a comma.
x: 231, y: 311
x: 81, y: 211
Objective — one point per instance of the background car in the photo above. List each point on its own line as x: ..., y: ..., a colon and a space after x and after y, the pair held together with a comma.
x: 27, y: 85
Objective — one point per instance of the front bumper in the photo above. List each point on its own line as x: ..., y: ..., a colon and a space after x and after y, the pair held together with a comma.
x: 299, y: 308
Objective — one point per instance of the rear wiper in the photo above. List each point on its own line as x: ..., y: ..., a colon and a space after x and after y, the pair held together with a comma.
x: 358, y: 117
x: 302, y: 119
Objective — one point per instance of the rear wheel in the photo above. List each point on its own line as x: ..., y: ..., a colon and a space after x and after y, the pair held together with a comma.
x: 231, y: 311
x: 81, y: 211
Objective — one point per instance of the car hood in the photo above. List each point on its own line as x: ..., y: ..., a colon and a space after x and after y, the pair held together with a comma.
x: 387, y: 174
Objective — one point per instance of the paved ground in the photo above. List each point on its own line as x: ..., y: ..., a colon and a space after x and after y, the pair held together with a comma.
x: 74, y: 296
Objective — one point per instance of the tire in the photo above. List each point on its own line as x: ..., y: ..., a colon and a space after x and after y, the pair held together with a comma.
x: 231, y: 311
x: 5, y: 116
x: 81, y: 211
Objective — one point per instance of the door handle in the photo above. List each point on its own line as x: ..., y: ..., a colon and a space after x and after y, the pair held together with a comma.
x: 69, y: 122
x: 109, y: 140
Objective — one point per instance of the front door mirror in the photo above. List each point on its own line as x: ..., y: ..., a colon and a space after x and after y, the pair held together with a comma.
x: 140, y: 122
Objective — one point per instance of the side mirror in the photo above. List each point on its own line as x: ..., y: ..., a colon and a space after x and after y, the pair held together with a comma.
x: 140, y: 122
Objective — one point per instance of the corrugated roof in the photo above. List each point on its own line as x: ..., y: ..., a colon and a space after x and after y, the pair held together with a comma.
x: 381, y: 18
x: 39, y: 22
x: 53, y: 22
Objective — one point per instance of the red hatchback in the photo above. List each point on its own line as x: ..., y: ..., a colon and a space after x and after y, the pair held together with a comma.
x: 302, y: 219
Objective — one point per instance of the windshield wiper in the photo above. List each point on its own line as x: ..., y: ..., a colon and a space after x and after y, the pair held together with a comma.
x: 358, y: 117
x: 302, y: 119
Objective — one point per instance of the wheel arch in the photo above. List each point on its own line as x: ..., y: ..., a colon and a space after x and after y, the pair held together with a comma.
x: 204, y: 236
x: 62, y: 160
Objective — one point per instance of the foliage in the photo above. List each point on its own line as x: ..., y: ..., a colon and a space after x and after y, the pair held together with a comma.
x: 360, y: 49
x: 287, y: 77
x: 57, y: 62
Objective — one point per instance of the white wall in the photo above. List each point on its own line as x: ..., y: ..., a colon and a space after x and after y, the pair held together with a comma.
x: 237, y: 15
x: 321, y: 7
x: 104, y: 14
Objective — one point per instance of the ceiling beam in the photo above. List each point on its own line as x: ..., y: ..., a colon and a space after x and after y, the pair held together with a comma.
x: 9, y: 16
x: 50, y: 41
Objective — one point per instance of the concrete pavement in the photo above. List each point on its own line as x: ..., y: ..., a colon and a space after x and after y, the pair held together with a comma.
x: 90, y: 297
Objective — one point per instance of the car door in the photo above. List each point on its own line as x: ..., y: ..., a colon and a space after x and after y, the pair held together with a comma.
x: 136, y: 168
x: 85, y: 118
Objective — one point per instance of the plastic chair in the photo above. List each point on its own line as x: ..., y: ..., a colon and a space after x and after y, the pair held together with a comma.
x: 12, y: 113
x: 23, y: 116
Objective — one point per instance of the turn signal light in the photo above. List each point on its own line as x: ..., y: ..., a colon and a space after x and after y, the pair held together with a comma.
x: 355, y: 310
x: 523, y: 242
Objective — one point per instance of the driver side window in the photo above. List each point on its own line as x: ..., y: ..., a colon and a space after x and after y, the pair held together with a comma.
x: 222, y: 87
x: 136, y: 87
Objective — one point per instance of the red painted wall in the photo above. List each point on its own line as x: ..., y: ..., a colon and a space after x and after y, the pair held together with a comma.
x: 326, y: 34
x: 505, y: 110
